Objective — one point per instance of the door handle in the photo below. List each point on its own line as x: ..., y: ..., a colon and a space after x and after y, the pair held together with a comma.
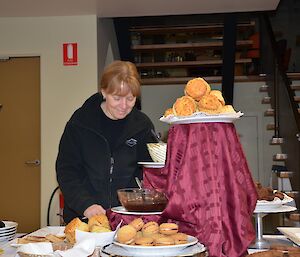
x: 33, y: 162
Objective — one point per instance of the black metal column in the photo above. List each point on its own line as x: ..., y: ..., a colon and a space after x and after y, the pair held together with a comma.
x: 122, y: 26
x: 229, y: 45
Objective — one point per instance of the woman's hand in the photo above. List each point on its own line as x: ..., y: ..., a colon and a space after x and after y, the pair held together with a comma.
x: 93, y: 210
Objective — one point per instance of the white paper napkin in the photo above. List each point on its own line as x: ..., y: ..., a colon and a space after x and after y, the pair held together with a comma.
x: 81, y: 249
x: 101, y: 239
x: 36, y: 248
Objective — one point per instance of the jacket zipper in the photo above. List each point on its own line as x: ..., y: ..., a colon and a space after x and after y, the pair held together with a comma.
x: 112, y: 161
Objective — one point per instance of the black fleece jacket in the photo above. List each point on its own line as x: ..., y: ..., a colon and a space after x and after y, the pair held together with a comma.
x: 88, y: 171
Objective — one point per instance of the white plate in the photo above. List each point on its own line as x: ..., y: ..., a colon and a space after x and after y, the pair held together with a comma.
x: 114, y: 250
x: 169, y: 250
x: 7, y: 238
x: 122, y: 210
x: 202, y: 117
x: 293, y: 233
x: 8, y: 233
x: 152, y: 164
x: 9, y: 225
x: 282, y: 208
x: 276, y: 203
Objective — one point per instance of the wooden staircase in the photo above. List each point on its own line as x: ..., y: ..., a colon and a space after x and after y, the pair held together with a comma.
x: 279, y: 169
x: 279, y: 157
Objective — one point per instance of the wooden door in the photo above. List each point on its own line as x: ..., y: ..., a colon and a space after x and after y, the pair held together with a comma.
x: 20, y: 192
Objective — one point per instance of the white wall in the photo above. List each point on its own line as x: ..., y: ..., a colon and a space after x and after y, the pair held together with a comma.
x: 107, y: 43
x: 63, y: 88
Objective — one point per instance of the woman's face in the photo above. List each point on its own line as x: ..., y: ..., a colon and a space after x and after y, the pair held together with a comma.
x: 117, y: 107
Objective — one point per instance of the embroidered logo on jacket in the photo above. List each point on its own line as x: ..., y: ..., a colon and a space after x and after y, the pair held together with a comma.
x: 131, y: 142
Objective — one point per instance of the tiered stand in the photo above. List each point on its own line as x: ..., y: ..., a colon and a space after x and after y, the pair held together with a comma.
x: 260, y: 242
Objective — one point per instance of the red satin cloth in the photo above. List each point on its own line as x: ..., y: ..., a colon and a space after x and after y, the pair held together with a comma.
x: 210, y: 189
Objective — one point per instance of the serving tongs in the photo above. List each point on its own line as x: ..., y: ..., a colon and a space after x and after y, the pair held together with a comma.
x: 156, y: 136
x: 139, y: 183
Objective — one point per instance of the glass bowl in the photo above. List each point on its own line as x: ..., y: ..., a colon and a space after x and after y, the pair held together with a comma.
x: 142, y: 200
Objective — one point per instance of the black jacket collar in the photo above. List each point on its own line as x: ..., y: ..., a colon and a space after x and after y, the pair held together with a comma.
x: 87, y: 116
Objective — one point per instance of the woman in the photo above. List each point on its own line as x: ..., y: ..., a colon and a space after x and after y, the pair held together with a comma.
x: 102, y: 143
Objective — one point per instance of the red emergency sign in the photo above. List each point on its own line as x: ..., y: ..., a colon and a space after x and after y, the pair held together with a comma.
x: 70, y: 54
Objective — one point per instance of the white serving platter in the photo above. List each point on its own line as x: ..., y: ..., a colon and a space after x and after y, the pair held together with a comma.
x: 200, y: 117
x: 154, y: 165
x: 292, y: 233
x: 263, y: 205
x: 171, y: 250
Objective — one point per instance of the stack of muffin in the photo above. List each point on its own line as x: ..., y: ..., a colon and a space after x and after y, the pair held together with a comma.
x: 150, y: 234
x: 198, y: 97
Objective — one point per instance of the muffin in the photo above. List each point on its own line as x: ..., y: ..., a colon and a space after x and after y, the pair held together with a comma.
x: 209, y: 104
x: 197, y: 88
x: 219, y: 95
x: 168, y: 112
x: 227, y: 109
x: 184, y: 106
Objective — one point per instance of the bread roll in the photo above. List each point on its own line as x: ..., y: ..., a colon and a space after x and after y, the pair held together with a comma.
x: 98, y: 229
x: 99, y: 220
x: 70, y: 228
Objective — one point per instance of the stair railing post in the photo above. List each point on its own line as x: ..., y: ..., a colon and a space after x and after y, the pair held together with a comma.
x: 276, y: 101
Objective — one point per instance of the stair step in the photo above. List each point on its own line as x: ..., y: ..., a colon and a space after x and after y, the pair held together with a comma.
x: 284, y: 174
x: 269, y: 112
x: 297, y: 98
x: 271, y: 126
x: 266, y: 100
x: 278, y: 168
x: 295, y: 87
x: 294, y: 216
x: 276, y: 141
x: 264, y: 88
x: 293, y: 194
x: 280, y: 157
